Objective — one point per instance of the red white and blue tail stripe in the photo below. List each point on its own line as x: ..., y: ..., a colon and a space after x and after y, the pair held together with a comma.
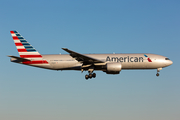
x: 26, y: 50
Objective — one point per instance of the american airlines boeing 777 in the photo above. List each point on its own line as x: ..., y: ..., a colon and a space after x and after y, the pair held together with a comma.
x: 108, y: 63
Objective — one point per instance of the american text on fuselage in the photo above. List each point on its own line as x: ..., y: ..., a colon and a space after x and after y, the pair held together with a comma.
x: 124, y: 59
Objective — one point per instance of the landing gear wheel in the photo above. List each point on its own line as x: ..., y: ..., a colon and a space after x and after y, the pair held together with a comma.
x: 86, y: 77
x: 157, y: 74
x: 94, y: 75
x: 90, y: 76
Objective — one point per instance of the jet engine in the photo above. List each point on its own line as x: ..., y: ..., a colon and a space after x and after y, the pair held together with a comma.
x: 113, y: 68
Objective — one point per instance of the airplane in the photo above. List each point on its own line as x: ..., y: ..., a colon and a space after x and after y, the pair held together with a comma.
x: 108, y: 63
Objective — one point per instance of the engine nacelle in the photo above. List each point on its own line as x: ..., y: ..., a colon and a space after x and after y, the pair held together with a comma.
x: 113, y: 68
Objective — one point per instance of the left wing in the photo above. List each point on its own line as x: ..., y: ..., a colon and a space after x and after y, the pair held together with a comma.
x: 82, y: 58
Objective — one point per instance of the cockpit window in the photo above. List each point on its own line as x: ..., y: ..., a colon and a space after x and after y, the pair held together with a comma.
x: 167, y: 59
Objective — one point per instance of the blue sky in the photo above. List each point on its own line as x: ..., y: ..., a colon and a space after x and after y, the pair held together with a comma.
x: 90, y: 26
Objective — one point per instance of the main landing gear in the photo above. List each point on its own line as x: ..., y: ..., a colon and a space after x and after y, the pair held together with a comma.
x: 91, y: 75
x: 158, y: 70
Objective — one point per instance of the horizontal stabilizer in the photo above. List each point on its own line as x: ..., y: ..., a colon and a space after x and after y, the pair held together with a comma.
x: 19, y: 58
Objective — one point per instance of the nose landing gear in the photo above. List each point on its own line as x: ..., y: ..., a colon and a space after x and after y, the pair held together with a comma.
x: 157, y: 74
x: 158, y: 70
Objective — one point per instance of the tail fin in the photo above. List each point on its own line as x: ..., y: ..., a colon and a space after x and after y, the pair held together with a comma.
x: 25, y: 50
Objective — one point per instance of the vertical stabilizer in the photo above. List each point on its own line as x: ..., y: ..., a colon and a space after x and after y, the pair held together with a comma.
x: 26, y: 50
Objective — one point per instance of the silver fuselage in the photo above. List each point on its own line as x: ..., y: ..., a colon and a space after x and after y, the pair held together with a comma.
x: 128, y: 61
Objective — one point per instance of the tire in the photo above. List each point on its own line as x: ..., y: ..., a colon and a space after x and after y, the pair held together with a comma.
x: 86, y: 77
x: 90, y: 75
x: 94, y: 75
x: 157, y: 74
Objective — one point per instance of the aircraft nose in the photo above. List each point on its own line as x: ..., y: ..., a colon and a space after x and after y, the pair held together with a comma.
x: 169, y: 62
